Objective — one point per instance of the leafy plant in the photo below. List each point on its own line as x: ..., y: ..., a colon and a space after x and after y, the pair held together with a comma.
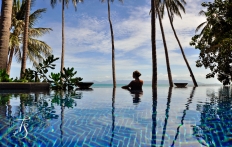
x: 40, y: 71
x: 4, y: 77
x: 56, y: 81
x: 68, y: 79
x: 64, y: 80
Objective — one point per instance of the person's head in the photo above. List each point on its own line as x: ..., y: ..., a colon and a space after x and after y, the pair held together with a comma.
x: 136, y: 74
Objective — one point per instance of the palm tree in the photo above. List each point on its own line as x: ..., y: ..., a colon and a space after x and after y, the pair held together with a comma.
x: 5, y: 23
x: 164, y: 42
x: 36, y: 49
x: 153, y: 45
x: 172, y: 7
x: 64, y: 3
x: 25, y: 38
x: 112, y: 41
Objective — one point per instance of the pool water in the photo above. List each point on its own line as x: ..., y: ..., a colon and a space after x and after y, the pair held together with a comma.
x: 179, y: 117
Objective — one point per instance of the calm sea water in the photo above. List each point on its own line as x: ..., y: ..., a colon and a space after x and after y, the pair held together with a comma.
x: 103, y: 116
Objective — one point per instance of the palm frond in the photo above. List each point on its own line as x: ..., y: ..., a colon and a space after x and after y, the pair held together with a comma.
x: 36, y: 32
x: 184, y: 2
x: 198, y: 27
x: 35, y: 62
x: 35, y: 15
x: 174, y: 11
x: 32, y: 3
x: 202, y: 12
x: 39, y: 46
x: 53, y: 3
x: 21, y: 12
x: 180, y: 5
x: 18, y: 55
x: 14, y: 41
x: 111, y: 1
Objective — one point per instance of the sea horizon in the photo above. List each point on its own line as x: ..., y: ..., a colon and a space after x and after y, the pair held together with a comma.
x: 146, y: 85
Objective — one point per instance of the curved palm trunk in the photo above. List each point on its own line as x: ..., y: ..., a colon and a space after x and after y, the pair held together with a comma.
x: 153, y: 44
x: 182, y: 51
x: 166, y: 115
x: 165, y: 48
x: 25, y: 39
x: 62, y: 54
x: 9, y: 61
x: 112, y: 40
x: 5, y: 24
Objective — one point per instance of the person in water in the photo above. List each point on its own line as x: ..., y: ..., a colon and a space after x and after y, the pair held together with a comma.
x: 135, y: 85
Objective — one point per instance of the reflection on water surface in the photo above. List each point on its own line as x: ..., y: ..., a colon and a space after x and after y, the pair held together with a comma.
x: 114, y: 117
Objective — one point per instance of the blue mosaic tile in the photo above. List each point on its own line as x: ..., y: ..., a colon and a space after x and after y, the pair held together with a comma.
x: 189, y: 117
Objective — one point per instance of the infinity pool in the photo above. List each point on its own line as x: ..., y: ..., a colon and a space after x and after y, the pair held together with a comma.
x: 179, y: 117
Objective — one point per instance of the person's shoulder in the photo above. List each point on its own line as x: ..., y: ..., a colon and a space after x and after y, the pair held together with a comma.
x: 132, y: 82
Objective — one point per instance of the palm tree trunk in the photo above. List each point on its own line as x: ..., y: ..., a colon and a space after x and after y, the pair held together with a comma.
x: 5, y: 24
x: 9, y: 61
x: 25, y: 39
x: 112, y: 40
x: 153, y: 44
x: 182, y: 51
x: 165, y: 48
x: 62, y: 54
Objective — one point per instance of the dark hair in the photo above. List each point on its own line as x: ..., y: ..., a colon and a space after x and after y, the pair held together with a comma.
x: 137, y: 73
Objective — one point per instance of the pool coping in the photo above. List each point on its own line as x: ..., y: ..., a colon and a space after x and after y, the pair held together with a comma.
x: 24, y: 87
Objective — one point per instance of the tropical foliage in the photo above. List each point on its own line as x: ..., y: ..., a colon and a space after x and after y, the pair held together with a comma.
x: 4, y: 77
x: 37, y: 49
x: 40, y: 71
x: 215, y: 40
x: 60, y: 80
x: 64, y: 80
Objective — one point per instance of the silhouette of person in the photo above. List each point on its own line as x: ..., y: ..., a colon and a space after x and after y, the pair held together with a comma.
x: 135, y: 85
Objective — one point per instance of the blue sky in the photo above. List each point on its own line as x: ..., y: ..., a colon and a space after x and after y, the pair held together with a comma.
x: 88, y: 42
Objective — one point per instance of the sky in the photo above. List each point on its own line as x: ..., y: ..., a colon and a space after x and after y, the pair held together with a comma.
x: 88, y: 40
